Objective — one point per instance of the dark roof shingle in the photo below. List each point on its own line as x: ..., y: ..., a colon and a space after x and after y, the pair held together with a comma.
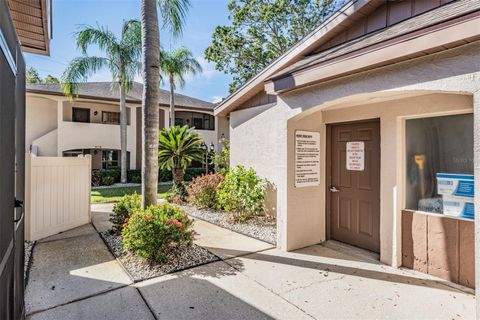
x: 104, y: 90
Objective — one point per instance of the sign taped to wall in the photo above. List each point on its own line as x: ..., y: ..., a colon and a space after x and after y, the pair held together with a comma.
x: 355, y: 156
x: 307, y: 159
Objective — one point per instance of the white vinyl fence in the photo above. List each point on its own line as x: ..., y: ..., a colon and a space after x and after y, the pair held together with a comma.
x: 57, y: 194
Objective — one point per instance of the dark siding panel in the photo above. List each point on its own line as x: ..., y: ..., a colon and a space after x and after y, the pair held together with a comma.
x: 12, y: 144
x: 385, y: 15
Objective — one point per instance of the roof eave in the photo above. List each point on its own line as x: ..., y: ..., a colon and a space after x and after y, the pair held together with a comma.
x: 134, y: 101
x: 448, y: 34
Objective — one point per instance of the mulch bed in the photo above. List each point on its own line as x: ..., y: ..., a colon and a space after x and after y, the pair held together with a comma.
x: 260, y: 227
x: 142, y: 269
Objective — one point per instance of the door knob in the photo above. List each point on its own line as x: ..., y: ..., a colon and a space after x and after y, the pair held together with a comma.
x: 334, y: 189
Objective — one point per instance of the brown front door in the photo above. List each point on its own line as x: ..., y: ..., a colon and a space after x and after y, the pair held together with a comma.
x: 355, y: 184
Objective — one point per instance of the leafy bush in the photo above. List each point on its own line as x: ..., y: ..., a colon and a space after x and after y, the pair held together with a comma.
x: 164, y: 175
x: 191, y: 173
x: 96, y: 178
x: 202, y: 192
x: 156, y: 231
x: 105, y: 177
x: 222, y: 158
x: 108, y: 180
x: 242, y: 192
x: 134, y: 176
x: 123, y: 209
x: 110, y: 175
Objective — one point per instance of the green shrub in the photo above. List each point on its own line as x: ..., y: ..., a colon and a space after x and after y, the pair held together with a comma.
x: 123, y: 209
x: 242, y: 192
x: 222, y: 158
x: 156, y: 231
x: 164, y: 175
x: 96, y: 178
x: 134, y: 176
x: 202, y: 192
x: 108, y: 180
x: 191, y: 173
x: 105, y: 177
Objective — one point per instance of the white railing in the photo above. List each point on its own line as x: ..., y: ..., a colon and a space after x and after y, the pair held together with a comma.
x: 79, y: 135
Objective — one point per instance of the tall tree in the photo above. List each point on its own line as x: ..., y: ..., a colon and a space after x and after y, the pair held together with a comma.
x: 261, y: 31
x: 51, y: 79
x: 173, y: 13
x: 121, y: 59
x: 32, y: 76
x: 174, y: 66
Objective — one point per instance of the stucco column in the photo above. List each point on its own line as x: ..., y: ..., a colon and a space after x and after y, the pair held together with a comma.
x: 59, y: 127
x: 476, y: 156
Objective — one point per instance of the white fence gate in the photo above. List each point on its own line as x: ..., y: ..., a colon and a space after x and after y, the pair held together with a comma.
x: 57, y: 194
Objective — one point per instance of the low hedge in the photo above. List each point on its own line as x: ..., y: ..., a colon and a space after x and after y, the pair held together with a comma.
x: 107, y: 177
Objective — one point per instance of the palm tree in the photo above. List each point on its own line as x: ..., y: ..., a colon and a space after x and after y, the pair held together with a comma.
x: 179, y: 146
x: 174, y: 66
x: 121, y: 59
x: 173, y: 14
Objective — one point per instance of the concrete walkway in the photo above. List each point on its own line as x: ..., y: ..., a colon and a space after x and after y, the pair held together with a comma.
x: 75, y: 277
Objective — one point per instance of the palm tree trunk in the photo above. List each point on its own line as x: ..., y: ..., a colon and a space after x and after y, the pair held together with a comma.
x: 178, y: 177
x: 150, y: 112
x: 172, y: 103
x: 123, y: 136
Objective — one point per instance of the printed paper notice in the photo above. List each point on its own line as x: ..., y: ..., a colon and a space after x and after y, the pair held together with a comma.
x: 307, y: 159
x: 355, y: 156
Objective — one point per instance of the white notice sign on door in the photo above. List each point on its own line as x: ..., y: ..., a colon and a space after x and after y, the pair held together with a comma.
x: 356, y: 155
x: 307, y: 159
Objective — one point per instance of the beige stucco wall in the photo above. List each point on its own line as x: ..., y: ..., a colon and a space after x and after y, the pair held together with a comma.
x: 49, y: 125
x: 41, y: 118
x: 262, y: 137
x: 222, y: 127
x: 77, y: 135
x: 94, y: 106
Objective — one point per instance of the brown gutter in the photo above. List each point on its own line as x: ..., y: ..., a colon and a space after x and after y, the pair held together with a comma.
x: 457, y: 31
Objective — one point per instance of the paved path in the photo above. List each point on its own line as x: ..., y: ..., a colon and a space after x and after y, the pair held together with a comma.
x: 75, y: 277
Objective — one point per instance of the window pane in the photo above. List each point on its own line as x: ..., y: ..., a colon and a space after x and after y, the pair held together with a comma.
x: 198, y: 122
x: 111, y: 117
x: 80, y: 114
x: 439, y: 159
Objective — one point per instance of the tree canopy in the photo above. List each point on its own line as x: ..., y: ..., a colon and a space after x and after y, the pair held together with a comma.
x: 32, y: 76
x: 260, y: 31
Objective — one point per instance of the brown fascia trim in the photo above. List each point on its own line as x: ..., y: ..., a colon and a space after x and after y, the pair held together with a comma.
x: 134, y: 101
x: 294, y: 54
x: 380, y: 54
x: 46, y: 32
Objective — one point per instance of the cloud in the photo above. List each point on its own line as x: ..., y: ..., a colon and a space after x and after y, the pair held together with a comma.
x: 208, y: 68
x: 216, y: 99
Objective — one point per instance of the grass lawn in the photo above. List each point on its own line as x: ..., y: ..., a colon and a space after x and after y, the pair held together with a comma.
x: 114, y: 194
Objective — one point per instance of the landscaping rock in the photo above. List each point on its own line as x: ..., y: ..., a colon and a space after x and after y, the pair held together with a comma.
x: 261, y: 227
x: 141, y: 269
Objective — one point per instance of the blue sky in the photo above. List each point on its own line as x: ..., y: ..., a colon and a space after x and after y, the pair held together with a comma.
x: 68, y: 15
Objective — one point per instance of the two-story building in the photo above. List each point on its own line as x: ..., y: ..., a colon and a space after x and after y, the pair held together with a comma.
x: 90, y: 124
